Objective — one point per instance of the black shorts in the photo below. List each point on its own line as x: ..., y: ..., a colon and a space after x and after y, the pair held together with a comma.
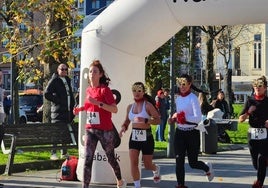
x: 147, y: 147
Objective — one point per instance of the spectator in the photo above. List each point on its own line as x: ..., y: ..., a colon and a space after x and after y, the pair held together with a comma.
x: 99, y: 106
x: 7, y: 105
x: 222, y: 104
x: 59, y: 92
x: 161, y: 106
x: 205, y: 106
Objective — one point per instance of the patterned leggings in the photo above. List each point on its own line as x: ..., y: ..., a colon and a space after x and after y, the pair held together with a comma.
x: 106, y: 140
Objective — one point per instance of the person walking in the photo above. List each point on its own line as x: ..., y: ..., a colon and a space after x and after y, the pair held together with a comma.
x: 187, y: 138
x: 59, y: 93
x: 99, y: 105
x: 141, y: 114
x: 256, y: 109
x: 161, y: 106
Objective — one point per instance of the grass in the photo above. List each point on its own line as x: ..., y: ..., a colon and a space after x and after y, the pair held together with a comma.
x: 237, y: 137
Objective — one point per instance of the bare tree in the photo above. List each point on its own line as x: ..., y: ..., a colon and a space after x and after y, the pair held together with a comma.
x: 212, y: 32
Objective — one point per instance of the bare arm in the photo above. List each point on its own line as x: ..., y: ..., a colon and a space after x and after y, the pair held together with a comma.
x: 126, y: 123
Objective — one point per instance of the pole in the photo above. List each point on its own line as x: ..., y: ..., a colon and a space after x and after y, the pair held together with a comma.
x: 171, y: 131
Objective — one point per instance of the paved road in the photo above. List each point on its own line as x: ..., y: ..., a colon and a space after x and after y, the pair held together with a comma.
x: 233, y: 170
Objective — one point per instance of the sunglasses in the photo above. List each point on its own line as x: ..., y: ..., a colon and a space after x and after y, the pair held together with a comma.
x: 64, y: 69
x: 139, y: 91
x: 255, y: 85
x: 183, y: 84
x: 258, y: 83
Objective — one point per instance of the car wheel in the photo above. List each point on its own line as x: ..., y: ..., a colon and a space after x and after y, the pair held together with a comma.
x: 22, y: 120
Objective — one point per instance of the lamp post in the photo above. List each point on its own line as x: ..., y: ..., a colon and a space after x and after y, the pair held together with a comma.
x: 14, y: 82
x: 170, y: 146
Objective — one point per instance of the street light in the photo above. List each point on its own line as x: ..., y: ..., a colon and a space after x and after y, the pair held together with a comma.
x: 170, y: 146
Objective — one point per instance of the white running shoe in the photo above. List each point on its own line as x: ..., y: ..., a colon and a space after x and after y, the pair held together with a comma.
x: 157, y: 177
x: 210, y: 173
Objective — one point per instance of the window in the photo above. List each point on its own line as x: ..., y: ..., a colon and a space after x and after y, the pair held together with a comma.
x: 23, y: 27
x: 4, y: 43
x: 257, y: 51
x: 6, y: 57
x: 108, y: 2
x: 95, y: 4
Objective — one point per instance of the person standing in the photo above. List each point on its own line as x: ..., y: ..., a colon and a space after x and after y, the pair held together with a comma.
x: 161, y: 106
x: 256, y: 109
x: 99, y: 105
x: 187, y: 137
x: 167, y: 108
x: 141, y: 114
x: 222, y: 104
x: 59, y: 92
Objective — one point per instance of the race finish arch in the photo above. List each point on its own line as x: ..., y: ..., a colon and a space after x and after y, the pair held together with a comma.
x: 128, y: 31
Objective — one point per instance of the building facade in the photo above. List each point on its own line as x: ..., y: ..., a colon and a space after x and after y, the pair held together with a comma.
x: 248, y: 59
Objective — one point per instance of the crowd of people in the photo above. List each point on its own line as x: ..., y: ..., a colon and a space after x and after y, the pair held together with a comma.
x: 145, y: 111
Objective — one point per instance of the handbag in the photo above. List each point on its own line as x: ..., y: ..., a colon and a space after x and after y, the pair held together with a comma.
x: 117, y: 139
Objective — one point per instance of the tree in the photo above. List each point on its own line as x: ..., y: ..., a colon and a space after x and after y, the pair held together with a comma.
x: 157, y: 70
x: 46, y: 40
x: 212, y: 32
x: 224, y: 46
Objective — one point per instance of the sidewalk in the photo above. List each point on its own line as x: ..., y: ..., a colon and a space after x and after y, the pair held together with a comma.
x: 233, y: 169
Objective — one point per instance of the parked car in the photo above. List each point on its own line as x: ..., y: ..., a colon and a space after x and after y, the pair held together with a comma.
x: 23, y: 117
x: 30, y: 103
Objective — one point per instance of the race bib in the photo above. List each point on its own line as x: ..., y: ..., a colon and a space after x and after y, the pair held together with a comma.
x: 258, y: 133
x: 93, y: 118
x: 139, y: 135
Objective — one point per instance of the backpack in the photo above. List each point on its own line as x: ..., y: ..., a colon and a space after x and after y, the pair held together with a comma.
x: 68, y: 169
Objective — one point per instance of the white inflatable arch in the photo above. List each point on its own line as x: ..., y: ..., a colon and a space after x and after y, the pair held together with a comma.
x: 128, y: 31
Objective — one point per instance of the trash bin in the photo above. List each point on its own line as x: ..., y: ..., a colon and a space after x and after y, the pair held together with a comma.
x: 209, y: 142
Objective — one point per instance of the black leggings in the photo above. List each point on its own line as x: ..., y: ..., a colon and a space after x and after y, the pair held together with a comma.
x: 107, y: 143
x: 259, y: 155
x: 187, y: 142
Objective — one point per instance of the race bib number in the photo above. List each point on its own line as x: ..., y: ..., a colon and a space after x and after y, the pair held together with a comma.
x: 93, y: 118
x: 139, y: 135
x: 258, y: 133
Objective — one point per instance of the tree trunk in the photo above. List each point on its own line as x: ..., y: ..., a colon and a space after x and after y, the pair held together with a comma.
x: 210, y: 64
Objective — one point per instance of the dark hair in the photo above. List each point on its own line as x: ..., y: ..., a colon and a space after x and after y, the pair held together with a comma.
x: 190, y: 80
x: 146, y: 96
x: 104, y: 79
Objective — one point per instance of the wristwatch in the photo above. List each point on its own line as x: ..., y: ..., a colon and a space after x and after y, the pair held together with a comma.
x: 101, y: 105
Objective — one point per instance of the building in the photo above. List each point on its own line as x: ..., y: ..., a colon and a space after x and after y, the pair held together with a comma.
x: 249, y: 58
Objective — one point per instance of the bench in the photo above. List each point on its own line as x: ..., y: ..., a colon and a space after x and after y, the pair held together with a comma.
x: 37, y: 137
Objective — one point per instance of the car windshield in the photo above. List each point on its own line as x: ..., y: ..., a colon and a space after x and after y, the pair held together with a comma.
x: 29, y: 100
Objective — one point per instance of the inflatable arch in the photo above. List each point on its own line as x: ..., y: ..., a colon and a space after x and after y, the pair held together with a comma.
x: 128, y: 31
